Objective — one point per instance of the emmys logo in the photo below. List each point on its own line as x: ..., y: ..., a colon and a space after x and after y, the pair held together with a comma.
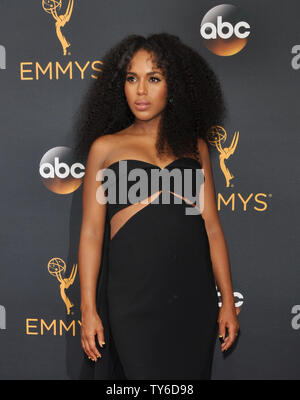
x: 43, y: 326
x: 2, y: 317
x: 224, y: 38
x: 53, y: 7
x: 57, y: 267
x: 59, y: 171
x: 217, y: 136
x: 65, y: 68
x: 2, y: 57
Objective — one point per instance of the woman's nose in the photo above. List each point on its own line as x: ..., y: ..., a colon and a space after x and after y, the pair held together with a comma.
x: 141, y: 88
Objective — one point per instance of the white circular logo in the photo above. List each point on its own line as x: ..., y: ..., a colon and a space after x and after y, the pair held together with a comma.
x: 59, y: 170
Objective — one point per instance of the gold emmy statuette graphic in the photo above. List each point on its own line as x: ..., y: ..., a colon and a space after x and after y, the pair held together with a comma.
x: 217, y: 135
x: 51, y: 7
x: 57, y: 267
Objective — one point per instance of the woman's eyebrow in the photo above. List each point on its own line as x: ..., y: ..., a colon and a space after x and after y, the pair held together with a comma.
x: 148, y: 73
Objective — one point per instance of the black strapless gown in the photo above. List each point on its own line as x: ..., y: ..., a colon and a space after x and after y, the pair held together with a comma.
x: 157, y: 296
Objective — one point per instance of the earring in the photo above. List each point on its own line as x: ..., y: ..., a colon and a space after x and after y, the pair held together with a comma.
x: 171, y: 100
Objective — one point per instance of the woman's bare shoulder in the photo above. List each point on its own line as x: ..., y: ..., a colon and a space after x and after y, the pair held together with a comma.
x: 202, y: 145
x: 110, y: 138
x: 103, y: 146
x: 203, y: 150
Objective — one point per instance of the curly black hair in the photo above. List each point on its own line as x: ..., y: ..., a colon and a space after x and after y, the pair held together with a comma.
x: 197, y: 100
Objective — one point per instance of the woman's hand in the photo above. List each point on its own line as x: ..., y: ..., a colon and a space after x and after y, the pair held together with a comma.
x: 228, y: 319
x: 91, y: 325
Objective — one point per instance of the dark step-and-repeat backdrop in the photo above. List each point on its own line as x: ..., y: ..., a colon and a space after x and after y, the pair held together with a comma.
x: 50, y: 52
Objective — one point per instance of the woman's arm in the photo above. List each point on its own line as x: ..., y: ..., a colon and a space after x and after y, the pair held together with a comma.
x: 218, y: 251
x: 90, y: 248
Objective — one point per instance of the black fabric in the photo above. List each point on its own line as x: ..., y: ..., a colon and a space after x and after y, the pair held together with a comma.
x: 156, y: 295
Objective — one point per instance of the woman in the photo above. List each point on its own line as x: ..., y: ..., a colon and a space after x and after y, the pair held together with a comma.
x: 155, y: 308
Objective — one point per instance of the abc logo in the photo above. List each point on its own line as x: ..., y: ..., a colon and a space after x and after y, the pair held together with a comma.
x: 238, y: 299
x: 60, y: 172
x: 223, y: 31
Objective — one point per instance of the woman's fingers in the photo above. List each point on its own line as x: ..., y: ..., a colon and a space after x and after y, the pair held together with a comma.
x: 92, y: 347
x: 222, y: 333
x: 89, y: 347
x: 222, y: 329
x: 90, y: 328
x: 232, y: 335
x: 86, y: 349
x: 100, y: 337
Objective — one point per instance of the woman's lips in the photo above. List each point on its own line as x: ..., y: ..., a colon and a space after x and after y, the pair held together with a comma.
x: 142, y: 106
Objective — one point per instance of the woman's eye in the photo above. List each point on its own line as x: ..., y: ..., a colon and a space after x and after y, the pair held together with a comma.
x: 131, y: 79
x: 157, y: 79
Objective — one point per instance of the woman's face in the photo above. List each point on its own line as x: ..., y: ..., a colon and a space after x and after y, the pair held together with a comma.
x: 145, y: 87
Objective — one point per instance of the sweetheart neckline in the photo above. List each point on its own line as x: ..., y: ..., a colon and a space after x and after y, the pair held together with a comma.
x: 154, y: 165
